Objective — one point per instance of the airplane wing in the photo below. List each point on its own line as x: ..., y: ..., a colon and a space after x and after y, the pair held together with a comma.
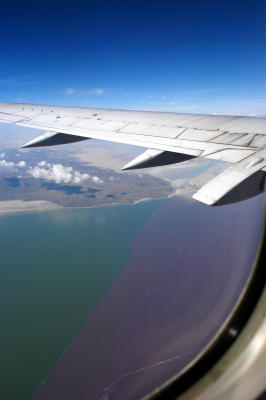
x: 168, y: 137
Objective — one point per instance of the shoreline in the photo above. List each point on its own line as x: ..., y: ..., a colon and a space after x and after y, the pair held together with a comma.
x: 10, y: 207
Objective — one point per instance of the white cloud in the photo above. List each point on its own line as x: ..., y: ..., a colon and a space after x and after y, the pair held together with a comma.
x: 42, y: 163
x: 254, y: 114
x: 57, y: 173
x: 94, y: 91
x: 96, y: 179
x: 52, y: 172
x: 200, y: 91
x: 249, y: 107
x: 21, y: 164
x: 69, y: 91
x: 78, y: 177
x: 2, y: 155
x: 6, y: 164
x: 114, y: 178
x: 22, y: 80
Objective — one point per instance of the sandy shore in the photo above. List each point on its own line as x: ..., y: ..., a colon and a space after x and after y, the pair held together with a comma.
x: 8, y: 207
x: 19, y: 206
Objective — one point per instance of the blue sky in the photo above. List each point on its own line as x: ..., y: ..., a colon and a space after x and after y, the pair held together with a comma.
x: 183, y: 56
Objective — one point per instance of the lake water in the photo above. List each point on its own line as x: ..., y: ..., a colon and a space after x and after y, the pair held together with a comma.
x: 190, y: 264
x: 54, y: 269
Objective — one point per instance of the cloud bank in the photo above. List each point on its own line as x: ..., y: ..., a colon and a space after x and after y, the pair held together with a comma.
x: 6, y: 164
x: 96, y: 179
x: 57, y: 173
x: 21, y: 164
x: 50, y: 172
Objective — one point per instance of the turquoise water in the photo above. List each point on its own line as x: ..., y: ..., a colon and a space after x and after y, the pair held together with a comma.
x: 54, y: 269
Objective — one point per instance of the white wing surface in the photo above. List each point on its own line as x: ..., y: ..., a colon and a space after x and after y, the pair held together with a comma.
x: 169, y: 137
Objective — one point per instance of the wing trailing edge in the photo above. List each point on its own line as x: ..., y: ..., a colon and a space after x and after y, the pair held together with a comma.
x: 169, y: 138
x: 213, y: 191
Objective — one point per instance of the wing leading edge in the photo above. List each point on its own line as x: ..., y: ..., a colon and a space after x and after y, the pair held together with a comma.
x: 168, y: 137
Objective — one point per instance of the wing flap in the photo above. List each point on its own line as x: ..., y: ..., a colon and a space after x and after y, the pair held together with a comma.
x: 152, y: 130
x: 217, y: 188
x: 230, y: 155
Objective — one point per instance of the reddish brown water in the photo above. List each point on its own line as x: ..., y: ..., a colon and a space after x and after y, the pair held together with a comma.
x: 189, y: 266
